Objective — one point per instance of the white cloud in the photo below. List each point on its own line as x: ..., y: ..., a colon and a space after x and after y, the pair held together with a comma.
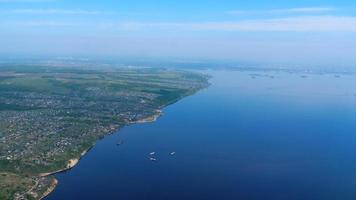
x: 302, y: 10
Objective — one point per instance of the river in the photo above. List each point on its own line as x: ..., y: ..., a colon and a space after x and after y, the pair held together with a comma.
x: 252, y: 135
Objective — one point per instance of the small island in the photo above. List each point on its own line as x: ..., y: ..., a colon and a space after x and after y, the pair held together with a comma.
x: 51, y: 116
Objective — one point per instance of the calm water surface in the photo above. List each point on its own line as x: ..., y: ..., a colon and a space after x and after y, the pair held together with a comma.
x: 251, y: 135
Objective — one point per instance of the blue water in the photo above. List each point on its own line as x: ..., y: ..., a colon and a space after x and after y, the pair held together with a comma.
x: 270, y: 136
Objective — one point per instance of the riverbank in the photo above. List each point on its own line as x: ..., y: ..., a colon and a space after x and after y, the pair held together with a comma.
x: 73, y: 162
x: 50, y: 189
x: 158, y: 113
x: 104, y: 101
x: 149, y: 119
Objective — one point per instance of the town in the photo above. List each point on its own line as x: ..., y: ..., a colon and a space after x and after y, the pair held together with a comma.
x: 51, y: 115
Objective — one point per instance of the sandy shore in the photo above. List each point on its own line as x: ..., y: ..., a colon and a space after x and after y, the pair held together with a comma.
x: 50, y: 189
x: 149, y: 119
x: 71, y: 163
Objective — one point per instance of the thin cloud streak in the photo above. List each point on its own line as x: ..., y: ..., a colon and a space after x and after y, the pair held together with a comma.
x: 302, y: 10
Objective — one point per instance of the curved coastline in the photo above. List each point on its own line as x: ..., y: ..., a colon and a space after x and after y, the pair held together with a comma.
x: 50, y: 189
x: 73, y: 162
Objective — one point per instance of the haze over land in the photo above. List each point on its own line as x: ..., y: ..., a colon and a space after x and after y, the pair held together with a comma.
x: 312, y: 33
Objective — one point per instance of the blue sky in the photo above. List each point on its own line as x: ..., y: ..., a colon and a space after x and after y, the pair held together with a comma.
x: 296, y: 32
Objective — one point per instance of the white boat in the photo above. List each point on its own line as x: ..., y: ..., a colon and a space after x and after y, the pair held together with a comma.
x: 152, y: 153
x: 172, y: 153
x: 153, y: 159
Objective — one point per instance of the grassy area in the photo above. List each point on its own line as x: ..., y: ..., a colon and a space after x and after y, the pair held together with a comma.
x: 12, y: 184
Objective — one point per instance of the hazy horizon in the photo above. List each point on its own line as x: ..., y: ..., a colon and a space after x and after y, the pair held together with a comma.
x: 274, y: 32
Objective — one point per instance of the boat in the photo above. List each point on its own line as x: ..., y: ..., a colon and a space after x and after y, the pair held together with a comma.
x: 172, y: 153
x: 120, y: 142
x: 152, y: 153
x: 153, y: 159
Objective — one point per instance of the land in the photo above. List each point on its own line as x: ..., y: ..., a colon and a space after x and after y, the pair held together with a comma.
x: 51, y: 116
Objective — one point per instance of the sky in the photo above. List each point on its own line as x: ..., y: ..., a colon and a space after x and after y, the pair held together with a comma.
x: 303, y: 32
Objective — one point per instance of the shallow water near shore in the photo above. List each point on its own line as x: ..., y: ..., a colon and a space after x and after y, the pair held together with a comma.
x: 250, y: 135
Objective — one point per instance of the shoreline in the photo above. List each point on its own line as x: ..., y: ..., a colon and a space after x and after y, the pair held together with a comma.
x: 50, y: 189
x: 149, y: 119
x: 70, y: 164
x: 74, y: 161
